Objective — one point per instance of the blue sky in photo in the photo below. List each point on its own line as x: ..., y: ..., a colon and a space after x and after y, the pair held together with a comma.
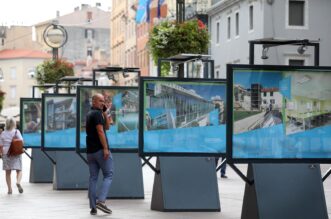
x: 154, y: 112
x: 267, y: 79
x: 208, y: 91
x: 205, y: 90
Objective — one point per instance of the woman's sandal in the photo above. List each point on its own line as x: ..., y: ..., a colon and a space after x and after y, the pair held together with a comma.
x: 20, y: 189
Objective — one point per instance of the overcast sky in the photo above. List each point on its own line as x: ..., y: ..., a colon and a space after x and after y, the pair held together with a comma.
x: 29, y: 12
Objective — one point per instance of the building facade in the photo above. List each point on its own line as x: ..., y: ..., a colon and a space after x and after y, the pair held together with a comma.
x: 117, y: 37
x: 232, y: 23
x: 88, y: 38
x: 17, y: 37
x: 18, y: 68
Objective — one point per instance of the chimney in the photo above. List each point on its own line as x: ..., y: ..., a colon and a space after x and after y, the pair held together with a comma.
x: 57, y: 14
x: 76, y: 8
x: 84, y: 6
x: 98, y: 4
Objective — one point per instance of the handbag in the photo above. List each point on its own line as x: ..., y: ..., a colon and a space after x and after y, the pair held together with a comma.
x: 16, y: 146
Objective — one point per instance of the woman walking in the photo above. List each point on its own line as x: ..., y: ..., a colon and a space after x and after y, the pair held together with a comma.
x: 11, y: 162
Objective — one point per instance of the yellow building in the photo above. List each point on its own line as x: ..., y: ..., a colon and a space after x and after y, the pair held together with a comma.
x: 18, y: 73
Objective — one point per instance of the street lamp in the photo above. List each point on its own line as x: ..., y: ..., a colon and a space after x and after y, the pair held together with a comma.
x: 55, y: 36
x: 1, y: 75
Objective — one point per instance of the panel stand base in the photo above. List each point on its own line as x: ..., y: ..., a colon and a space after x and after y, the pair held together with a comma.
x: 127, y: 179
x: 41, y: 168
x: 284, y: 191
x: 185, y: 184
x: 70, y: 172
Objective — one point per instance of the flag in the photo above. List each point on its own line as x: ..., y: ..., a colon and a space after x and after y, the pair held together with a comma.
x: 141, y: 15
x: 143, y: 11
x: 159, y: 4
x: 148, y: 11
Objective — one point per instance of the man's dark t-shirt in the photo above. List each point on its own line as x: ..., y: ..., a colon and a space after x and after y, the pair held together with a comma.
x: 93, y: 118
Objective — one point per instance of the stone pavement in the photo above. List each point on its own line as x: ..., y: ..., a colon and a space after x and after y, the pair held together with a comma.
x: 41, y: 201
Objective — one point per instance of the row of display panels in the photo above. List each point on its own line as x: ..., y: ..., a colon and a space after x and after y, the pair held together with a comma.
x: 57, y: 121
x: 270, y: 113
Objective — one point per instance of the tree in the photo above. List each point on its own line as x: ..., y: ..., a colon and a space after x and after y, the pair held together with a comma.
x: 50, y: 71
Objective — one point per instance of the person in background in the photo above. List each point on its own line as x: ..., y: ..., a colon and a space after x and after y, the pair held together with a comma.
x: 11, y: 162
x: 98, y: 153
x: 223, y: 168
x: 1, y: 130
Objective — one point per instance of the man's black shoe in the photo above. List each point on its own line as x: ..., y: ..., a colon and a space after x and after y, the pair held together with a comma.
x: 224, y: 176
x: 103, y: 207
x: 93, y: 211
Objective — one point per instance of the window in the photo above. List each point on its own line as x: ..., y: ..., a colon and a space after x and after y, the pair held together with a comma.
x: 13, y: 73
x: 272, y: 101
x: 251, y: 20
x: 89, y: 51
x: 218, y: 32
x: 89, y: 34
x: 217, y: 74
x: 237, y: 24
x: 296, y: 13
x: 271, y: 94
x: 229, y: 27
x: 264, y: 94
x: 265, y: 102
x: 296, y: 62
x: 13, y: 91
x: 31, y: 72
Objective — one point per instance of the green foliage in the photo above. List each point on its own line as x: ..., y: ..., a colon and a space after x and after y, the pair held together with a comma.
x: 165, y: 69
x: 51, y: 71
x: 169, y: 39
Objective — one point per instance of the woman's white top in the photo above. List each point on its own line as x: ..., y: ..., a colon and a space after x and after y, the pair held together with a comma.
x: 6, y: 138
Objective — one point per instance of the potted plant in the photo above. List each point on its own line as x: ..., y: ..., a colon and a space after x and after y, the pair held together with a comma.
x: 169, y: 38
x: 51, y: 71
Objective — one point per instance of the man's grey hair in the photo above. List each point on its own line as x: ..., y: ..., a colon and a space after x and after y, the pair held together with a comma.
x: 10, y: 123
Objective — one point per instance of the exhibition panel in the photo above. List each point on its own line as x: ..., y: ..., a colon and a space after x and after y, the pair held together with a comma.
x: 123, y: 106
x: 278, y: 113
x: 30, y: 121
x: 182, y: 117
x: 59, y: 122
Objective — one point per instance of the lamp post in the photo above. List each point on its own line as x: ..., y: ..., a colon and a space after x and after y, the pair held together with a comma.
x: 55, y: 36
x: 1, y: 92
x: 1, y: 75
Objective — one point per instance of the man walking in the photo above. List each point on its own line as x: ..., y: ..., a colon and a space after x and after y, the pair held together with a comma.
x: 98, y: 153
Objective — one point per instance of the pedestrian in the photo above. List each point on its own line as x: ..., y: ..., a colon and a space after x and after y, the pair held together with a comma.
x: 98, y: 153
x: 223, y: 168
x: 11, y: 162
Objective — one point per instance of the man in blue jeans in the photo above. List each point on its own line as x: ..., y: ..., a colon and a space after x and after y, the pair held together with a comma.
x: 98, y: 153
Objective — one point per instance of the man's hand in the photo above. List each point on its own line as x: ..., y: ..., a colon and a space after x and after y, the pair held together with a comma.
x: 106, y: 154
x: 111, y: 122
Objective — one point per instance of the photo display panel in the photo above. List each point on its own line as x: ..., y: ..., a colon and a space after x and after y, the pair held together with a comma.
x: 182, y: 117
x: 30, y: 121
x: 279, y: 113
x: 59, y: 122
x: 123, y: 108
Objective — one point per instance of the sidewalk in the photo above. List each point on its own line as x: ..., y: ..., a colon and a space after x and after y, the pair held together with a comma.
x: 41, y: 201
